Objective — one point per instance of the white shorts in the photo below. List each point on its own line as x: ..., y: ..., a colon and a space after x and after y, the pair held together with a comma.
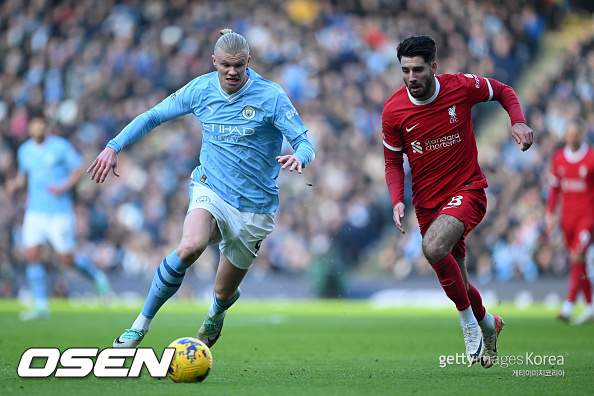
x: 241, y: 233
x: 56, y: 228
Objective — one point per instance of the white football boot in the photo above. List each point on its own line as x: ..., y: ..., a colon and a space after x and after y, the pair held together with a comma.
x: 490, y: 344
x: 473, y: 338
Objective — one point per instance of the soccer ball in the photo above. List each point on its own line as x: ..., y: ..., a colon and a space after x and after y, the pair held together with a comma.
x: 191, y: 362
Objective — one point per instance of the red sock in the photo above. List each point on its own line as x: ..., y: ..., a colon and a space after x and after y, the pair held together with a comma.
x: 583, y: 281
x: 450, y: 278
x: 476, y: 302
x: 576, y: 272
x: 587, y: 288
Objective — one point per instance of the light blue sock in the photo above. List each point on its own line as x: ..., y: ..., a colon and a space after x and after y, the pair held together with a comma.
x: 167, y: 280
x: 217, y: 308
x: 86, y: 267
x: 37, y: 279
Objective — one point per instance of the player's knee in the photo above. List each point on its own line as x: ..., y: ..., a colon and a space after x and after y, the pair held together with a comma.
x: 190, y: 249
x: 433, y: 251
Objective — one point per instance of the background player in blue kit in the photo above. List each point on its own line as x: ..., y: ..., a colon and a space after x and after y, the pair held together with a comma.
x: 233, y: 192
x: 50, y: 167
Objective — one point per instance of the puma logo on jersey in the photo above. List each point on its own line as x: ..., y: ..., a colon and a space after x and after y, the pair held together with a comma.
x: 411, y: 128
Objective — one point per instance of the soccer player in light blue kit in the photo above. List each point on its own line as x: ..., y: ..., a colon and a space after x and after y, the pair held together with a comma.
x: 50, y: 167
x: 233, y: 192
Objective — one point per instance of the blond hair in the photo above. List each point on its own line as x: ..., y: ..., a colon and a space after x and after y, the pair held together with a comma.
x: 232, y: 43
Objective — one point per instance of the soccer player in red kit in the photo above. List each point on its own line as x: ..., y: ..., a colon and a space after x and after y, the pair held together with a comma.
x: 429, y: 120
x: 572, y: 178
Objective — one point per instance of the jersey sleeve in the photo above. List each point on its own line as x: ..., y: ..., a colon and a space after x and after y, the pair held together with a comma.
x: 175, y: 105
x: 394, y: 172
x: 286, y: 119
x: 392, y: 136
x: 508, y: 99
x: 478, y: 89
x: 304, y: 150
x: 289, y: 123
x: 393, y: 157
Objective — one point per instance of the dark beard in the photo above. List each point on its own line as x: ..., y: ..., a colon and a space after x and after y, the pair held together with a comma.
x: 421, y: 94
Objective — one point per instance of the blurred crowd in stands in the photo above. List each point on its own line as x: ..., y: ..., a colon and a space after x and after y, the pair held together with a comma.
x: 94, y: 65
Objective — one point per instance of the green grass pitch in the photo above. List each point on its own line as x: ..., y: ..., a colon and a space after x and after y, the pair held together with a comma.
x: 308, y: 348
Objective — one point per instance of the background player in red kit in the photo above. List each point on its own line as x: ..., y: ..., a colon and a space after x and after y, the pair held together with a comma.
x: 572, y: 178
x: 429, y: 120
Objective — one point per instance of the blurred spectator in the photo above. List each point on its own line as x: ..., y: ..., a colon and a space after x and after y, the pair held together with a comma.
x: 95, y: 65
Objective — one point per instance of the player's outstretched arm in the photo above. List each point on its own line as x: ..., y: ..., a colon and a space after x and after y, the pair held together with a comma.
x: 398, y: 214
x: 106, y: 161
x: 291, y: 162
x: 523, y: 135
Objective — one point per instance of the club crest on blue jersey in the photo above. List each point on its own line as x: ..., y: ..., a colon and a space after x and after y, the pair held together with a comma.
x: 202, y: 199
x: 248, y: 112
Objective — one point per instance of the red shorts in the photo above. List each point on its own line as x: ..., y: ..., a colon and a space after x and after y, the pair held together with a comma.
x: 467, y: 206
x: 578, y: 235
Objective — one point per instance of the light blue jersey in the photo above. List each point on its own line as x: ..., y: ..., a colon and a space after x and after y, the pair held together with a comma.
x: 242, y: 136
x: 45, y: 165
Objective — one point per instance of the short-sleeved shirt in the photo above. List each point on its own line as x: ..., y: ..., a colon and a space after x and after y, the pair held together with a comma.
x: 45, y: 165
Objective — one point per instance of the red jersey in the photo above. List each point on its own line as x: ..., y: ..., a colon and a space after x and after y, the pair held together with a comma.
x: 437, y: 136
x: 572, y: 177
